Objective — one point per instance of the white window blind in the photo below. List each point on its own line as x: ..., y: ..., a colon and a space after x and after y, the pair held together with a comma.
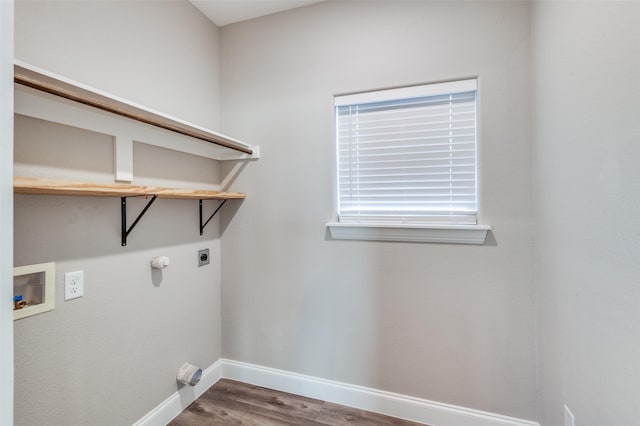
x: 408, y: 155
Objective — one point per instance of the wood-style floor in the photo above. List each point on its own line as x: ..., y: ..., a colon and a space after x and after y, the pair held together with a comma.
x: 233, y: 403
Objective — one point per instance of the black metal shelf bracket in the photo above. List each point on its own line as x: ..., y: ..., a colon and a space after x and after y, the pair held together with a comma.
x: 123, y: 210
x: 210, y: 217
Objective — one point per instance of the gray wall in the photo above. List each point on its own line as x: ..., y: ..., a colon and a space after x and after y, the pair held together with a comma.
x: 587, y: 151
x: 449, y: 323
x: 111, y: 356
x: 161, y: 54
x: 444, y: 322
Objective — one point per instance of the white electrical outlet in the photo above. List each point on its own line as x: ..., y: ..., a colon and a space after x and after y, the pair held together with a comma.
x: 568, y: 417
x: 73, y: 285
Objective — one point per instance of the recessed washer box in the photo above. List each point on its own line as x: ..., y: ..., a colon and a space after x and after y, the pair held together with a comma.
x: 36, y: 285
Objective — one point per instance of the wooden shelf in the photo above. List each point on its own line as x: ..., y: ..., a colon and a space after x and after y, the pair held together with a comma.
x: 43, y: 95
x: 26, y: 185
x: 30, y: 76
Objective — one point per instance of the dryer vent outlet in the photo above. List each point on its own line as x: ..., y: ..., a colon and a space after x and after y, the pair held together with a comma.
x: 203, y: 257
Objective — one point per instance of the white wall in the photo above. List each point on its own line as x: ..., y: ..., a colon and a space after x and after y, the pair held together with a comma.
x: 587, y: 151
x: 449, y: 323
x: 112, y: 356
x: 6, y: 212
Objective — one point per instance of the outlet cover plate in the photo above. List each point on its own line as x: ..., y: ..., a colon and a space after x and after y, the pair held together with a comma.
x: 203, y: 257
x: 73, y: 285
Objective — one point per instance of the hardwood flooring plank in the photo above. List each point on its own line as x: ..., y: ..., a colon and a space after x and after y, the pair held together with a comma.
x: 217, y: 408
x: 339, y: 415
x: 240, y: 404
x: 296, y: 406
x: 225, y: 412
x: 199, y: 414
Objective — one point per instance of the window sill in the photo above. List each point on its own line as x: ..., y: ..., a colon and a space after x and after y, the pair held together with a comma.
x: 456, y: 234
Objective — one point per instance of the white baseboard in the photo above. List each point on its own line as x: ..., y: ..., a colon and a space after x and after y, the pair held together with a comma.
x: 391, y: 404
x: 181, y: 399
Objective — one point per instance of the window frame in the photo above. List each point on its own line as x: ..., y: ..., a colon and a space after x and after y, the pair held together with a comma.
x: 421, y: 231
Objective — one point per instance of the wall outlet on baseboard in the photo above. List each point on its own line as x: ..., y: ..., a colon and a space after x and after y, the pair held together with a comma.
x: 569, y: 420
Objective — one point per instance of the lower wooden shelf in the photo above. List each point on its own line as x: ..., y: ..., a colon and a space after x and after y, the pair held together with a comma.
x: 37, y: 186
x: 28, y: 185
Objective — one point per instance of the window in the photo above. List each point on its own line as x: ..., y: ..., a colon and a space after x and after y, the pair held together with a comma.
x: 408, y: 156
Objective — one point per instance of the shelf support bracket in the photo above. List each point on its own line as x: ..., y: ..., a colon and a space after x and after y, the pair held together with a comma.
x: 123, y: 210
x: 202, y: 226
x: 124, y: 158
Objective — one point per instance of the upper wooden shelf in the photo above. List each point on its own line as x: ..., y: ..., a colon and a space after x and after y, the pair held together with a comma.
x: 25, y: 185
x: 36, y: 89
x: 43, y: 95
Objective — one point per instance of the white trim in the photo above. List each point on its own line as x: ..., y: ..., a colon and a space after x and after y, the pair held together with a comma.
x: 72, y: 85
x: 176, y: 403
x: 123, y: 151
x: 457, y: 234
x: 388, y: 403
x: 431, y: 89
x: 37, y: 104
x: 6, y: 212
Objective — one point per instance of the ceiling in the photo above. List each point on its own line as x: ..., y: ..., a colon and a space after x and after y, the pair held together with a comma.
x: 224, y: 12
